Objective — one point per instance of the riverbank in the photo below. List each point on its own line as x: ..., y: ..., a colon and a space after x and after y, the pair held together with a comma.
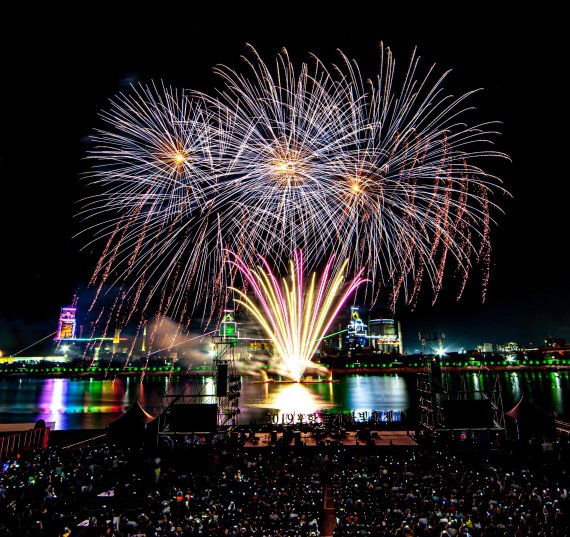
x: 206, y: 372
x: 452, y: 369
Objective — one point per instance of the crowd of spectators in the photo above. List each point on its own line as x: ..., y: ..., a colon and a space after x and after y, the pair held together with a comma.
x: 110, y: 490
x: 436, y: 493
x: 114, y: 491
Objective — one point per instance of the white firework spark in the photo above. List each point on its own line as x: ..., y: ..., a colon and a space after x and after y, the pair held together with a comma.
x: 158, y: 174
x: 413, y: 195
x: 286, y: 132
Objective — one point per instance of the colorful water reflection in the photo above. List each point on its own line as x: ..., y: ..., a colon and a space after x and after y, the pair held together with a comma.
x: 91, y: 403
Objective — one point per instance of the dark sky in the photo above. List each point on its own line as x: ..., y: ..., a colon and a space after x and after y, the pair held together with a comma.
x: 57, y: 75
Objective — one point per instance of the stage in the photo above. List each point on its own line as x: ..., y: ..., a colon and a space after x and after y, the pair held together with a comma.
x: 350, y: 438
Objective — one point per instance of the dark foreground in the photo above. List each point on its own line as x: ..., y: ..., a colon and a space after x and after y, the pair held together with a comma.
x: 257, y: 489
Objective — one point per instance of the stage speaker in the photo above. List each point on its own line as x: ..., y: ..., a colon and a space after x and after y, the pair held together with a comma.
x: 222, y: 381
x: 468, y: 414
x: 193, y: 418
x: 274, y: 437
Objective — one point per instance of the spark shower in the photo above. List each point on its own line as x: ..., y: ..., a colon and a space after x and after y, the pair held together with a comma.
x: 294, y: 316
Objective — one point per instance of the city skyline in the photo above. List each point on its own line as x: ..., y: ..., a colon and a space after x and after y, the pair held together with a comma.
x: 56, y: 104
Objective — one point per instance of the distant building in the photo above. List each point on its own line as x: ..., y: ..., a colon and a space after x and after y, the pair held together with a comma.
x: 384, y: 335
x: 67, y: 324
x: 228, y: 329
x: 357, y: 335
x: 510, y: 346
x: 70, y: 343
x: 485, y: 348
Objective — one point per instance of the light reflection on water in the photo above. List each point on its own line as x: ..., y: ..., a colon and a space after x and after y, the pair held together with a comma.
x: 91, y: 403
x: 283, y: 397
x: 556, y: 391
x: 550, y: 391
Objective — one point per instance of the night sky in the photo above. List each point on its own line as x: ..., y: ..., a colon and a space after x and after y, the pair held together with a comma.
x: 56, y: 76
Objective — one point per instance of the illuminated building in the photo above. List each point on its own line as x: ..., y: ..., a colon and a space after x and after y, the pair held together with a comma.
x: 69, y: 344
x: 510, y: 346
x: 485, y: 347
x: 228, y: 327
x: 357, y: 335
x: 384, y: 335
x: 67, y: 324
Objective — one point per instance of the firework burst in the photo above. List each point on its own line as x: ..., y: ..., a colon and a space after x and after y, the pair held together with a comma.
x: 384, y: 173
x: 287, y: 130
x: 158, y: 173
x: 381, y: 173
x: 413, y: 195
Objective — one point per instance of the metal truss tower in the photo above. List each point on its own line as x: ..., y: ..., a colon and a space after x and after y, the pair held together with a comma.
x: 228, y: 382
x: 429, y: 401
x: 439, y: 402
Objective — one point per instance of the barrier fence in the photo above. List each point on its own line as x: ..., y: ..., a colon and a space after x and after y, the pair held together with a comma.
x: 15, y: 443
